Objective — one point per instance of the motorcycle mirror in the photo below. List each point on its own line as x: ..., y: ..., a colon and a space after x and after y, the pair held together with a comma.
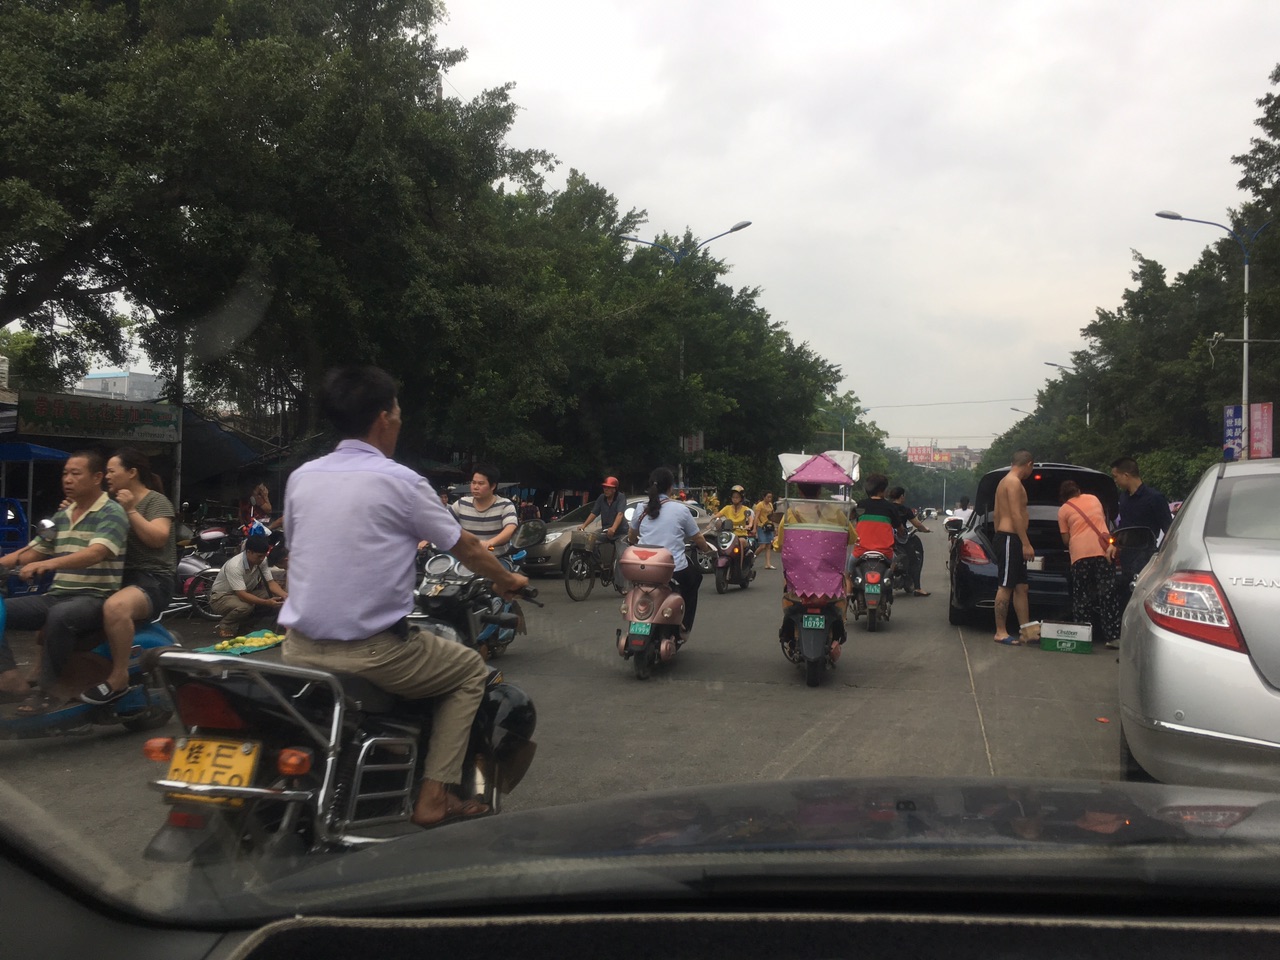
x: 531, y: 533
x: 47, y: 530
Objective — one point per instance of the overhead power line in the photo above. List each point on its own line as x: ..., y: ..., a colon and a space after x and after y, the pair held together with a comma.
x: 946, y: 403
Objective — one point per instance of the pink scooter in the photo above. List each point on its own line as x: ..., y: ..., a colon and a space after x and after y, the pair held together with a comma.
x: 653, y: 607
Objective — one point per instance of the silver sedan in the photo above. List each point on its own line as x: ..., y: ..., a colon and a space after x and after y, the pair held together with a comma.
x: 1200, y: 641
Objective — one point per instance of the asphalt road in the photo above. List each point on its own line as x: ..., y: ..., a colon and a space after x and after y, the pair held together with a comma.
x: 918, y: 697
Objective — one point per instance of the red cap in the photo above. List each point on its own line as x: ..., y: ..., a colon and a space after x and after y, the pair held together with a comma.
x: 611, y: 482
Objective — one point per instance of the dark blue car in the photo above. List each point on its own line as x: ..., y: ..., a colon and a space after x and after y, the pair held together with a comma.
x: 972, y: 561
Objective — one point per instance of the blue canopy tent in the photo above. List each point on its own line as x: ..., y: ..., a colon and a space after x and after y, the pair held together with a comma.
x: 28, y: 453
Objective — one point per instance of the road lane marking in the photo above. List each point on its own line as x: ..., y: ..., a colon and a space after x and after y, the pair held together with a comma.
x: 973, y: 689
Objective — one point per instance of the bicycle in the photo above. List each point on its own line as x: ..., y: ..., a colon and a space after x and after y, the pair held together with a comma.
x: 583, y: 566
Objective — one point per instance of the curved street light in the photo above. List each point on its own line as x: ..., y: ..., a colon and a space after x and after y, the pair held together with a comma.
x: 1244, y: 249
x: 1027, y: 412
x: 678, y: 256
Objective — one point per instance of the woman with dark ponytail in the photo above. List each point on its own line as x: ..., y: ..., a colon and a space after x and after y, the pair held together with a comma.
x: 667, y: 523
x: 150, y: 563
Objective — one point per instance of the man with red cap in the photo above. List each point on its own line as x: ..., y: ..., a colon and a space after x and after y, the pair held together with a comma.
x: 608, y: 507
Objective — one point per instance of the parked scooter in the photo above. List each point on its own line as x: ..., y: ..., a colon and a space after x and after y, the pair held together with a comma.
x: 815, y: 546
x: 735, y: 556
x: 872, y: 588
x: 280, y: 762
x: 653, y: 608
x: 455, y: 602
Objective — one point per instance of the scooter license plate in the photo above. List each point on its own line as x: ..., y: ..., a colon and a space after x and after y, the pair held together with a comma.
x: 228, y: 763
x: 813, y: 621
x: 639, y: 629
x: 871, y: 589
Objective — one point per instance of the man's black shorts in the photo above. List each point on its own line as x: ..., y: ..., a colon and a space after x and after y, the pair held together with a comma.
x: 1011, y: 566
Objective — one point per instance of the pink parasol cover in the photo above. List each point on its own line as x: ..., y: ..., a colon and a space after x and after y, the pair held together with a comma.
x: 831, y: 467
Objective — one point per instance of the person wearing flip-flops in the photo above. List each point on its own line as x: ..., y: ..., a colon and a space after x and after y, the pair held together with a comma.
x: 351, y: 616
x: 86, y: 558
x: 149, y: 565
x: 1012, y: 548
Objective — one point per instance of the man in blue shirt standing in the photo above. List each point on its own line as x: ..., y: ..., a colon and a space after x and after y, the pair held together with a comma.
x: 1140, y: 506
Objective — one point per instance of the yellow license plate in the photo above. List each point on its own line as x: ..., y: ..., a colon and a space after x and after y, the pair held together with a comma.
x: 227, y: 763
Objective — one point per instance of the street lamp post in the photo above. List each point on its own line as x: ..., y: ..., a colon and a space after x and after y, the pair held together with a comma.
x: 841, y: 418
x: 1087, y: 398
x: 1244, y: 249
x: 1027, y: 412
x: 677, y: 256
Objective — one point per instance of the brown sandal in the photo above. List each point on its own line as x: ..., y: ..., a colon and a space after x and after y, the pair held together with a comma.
x: 456, y: 810
x: 38, y: 704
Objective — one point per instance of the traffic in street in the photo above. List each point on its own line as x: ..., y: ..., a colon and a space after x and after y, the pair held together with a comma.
x: 918, y: 697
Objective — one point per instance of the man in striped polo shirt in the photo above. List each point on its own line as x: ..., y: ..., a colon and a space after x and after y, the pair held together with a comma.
x: 86, y: 558
x: 484, y: 514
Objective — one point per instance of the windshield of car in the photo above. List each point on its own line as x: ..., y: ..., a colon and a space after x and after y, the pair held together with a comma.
x: 279, y: 260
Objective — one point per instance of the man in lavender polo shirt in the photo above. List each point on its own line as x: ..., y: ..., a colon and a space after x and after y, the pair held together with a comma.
x: 355, y: 518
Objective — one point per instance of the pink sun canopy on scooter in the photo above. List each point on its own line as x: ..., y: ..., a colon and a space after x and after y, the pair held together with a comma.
x: 830, y: 467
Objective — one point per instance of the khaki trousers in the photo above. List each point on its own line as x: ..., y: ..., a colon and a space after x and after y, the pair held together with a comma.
x: 424, y: 665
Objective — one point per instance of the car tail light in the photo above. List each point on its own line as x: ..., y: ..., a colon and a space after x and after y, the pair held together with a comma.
x: 204, y: 706
x: 971, y: 552
x: 1191, y: 604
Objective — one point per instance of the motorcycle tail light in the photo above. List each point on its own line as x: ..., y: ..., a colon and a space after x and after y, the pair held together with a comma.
x: 873, y: 576
x: 186, y: 820
x: 294, y: 762
x: 200, y: 705
x: 971, y: 552
x: 159, y: 749
x: 1190, y: 603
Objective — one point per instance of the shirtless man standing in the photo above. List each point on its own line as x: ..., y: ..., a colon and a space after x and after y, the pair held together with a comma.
x: 1013, y: 547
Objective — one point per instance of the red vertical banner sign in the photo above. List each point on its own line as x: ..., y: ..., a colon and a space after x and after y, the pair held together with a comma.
x: 1259, y: 431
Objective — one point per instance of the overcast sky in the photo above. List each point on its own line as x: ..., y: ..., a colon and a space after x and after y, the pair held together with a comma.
x: 958, y: 183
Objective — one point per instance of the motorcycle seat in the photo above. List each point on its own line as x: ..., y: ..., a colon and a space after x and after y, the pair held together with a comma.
x: 370, y: 698
x: 366, y: 696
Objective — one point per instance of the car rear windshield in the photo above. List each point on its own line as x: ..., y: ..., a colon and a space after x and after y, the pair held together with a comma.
x: 1245, y: 508
x: 578, y: 514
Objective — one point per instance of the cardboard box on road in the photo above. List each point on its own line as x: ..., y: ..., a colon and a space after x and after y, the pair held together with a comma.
x: 1063, y: 637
